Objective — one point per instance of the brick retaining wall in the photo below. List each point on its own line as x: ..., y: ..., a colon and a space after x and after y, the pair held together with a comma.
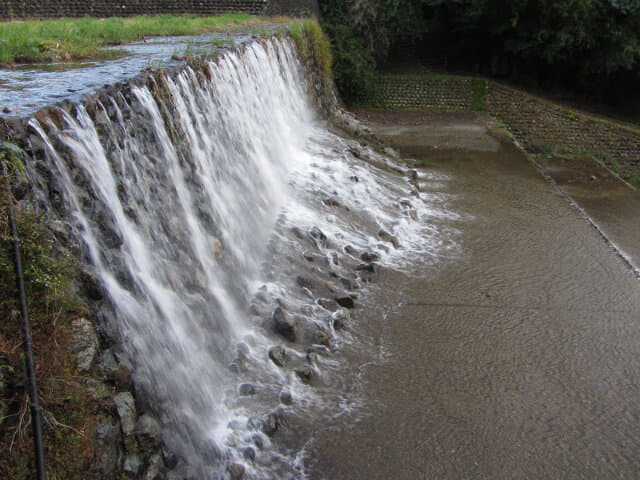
x: 540, y: 126
x: 29, y: 9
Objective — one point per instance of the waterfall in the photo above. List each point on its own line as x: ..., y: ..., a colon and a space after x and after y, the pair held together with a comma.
x: 196, y: 209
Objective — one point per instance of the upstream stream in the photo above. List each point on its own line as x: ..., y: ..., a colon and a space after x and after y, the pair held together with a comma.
x: 296, y: 304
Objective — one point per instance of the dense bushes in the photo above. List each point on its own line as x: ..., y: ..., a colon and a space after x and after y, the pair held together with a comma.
x: 362, y: 33
x: 593, y: 45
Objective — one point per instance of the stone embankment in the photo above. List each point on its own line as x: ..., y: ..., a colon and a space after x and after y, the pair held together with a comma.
x: 28, y: 9
x: 540, y: 126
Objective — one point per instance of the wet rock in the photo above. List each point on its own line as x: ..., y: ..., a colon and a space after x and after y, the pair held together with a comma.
x: 106, y: 364
x: 236, y: 471
x: 369, y: 257
x: 331, y: 287
x: 354, y: 178
x: 147, y: 432
x: 84, y: 343
x: 258, y: 440
x: 108, y: 448
x: 357, y: 152
x: 315, y: 258
x: 348, y: 283
x: 90, y: 285
x: 286, y: 397
x: 366, y: 267
x: 132, y: 464
x: 346, y: 302
x: 318, y: 237
x: 283, y: 324
x: 390, y: 152
x: 328, y: 304
x: 121, y: 376
x: 235, y: 367
x: 322, y: 337
x: 246, y: 389
x: 304, y: 282
x: 387, y: 237
x: 334, y: 202
x: 155, y: 467
x: 297, y: 232
x: 338, y: 319
x: 413, y: 175
x: 126, y: 409
x: 304, y: 373
x: 278, y: 355
x: 270, y: 425
x: 255, y: 423
x: 350, y: 250
x: 249, y: 453
x: 182, y: 472
x: 169, y: 457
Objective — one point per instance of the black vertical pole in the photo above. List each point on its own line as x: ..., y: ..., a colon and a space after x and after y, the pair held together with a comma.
x: 31, y: 371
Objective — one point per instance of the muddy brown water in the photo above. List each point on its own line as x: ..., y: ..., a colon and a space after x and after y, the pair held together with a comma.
x: 518, y: 357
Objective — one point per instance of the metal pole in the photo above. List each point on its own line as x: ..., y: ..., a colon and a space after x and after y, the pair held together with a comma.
x: 31, y: 371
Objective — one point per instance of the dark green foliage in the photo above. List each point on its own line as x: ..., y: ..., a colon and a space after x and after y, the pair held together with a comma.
x: 588, y: 42
x: 593, y: 45
x: 362, y: 33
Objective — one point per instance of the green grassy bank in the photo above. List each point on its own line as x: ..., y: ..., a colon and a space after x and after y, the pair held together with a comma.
x: 69, y: 39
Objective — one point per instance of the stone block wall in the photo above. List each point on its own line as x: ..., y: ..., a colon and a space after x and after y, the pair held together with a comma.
x: 30, y: 9
x: 540, y: 126
x: 421, y: 92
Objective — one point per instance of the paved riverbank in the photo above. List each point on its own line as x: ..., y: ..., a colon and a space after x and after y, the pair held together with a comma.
x: 515, y: 358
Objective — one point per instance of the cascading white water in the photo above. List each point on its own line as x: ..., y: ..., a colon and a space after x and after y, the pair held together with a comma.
x: 177, y: 215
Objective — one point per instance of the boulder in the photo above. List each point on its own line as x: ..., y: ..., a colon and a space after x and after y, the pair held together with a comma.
x: 126, y: 409
x: 84, y: 343
x: 278, y: 355
x: 283, y: 324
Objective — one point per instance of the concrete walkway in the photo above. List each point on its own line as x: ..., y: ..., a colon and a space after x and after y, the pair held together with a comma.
x: 517, y: 356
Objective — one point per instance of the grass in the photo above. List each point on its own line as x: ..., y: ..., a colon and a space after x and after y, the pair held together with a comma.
x: 312, y: 44
x: 69, y: 413
x: 66, y: 39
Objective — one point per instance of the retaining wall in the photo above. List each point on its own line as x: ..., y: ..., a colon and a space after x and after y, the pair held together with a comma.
x: 424, y: 92
x: 540, y: 126
x: 30, y: 9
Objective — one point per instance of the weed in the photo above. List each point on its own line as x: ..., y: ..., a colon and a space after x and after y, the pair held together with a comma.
x: 69, y: 415
x: 72, y: 39
x: 479, y: 94
x: 312, y: 44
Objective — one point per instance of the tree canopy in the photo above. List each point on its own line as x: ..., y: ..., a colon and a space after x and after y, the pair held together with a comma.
x: 591, y: 44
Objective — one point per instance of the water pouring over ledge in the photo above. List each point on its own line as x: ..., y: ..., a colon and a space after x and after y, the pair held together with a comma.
x: 232, y: 233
